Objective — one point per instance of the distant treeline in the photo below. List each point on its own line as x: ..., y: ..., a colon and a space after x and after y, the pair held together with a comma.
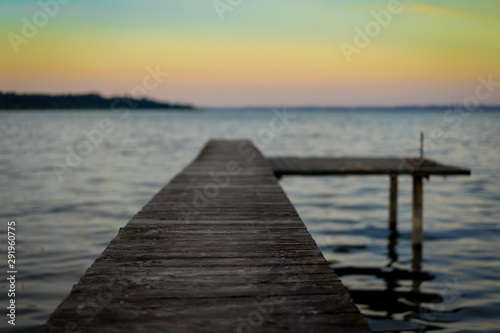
x: 13, y: 101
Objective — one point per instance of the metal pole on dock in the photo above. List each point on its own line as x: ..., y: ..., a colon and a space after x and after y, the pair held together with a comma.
x: 421, y: 145
x: 393, y: 203
x: 417, y: 212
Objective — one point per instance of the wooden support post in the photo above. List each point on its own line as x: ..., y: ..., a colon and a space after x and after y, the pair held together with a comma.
x: 393, y: 203
x: 421, y: 145
x: 417, y: 212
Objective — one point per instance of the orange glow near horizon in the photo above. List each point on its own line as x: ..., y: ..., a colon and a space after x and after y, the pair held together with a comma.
x: 444, y: 48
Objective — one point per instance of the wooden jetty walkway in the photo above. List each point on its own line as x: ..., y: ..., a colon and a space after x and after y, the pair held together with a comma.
x: 219, y: 249
x: 418, y: 168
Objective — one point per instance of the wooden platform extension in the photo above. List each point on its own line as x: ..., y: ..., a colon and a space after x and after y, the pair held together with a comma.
x: 219, y: 249
x: 317, y: 166
x: 393, y: 167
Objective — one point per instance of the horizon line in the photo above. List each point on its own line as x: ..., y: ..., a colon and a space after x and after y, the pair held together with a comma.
x: 322, y: 106
x: 399, y: 106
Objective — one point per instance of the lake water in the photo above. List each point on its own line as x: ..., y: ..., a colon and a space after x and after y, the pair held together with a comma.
x: 62, y: 227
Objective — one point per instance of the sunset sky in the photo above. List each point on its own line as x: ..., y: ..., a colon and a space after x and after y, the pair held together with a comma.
x: 280, y: 52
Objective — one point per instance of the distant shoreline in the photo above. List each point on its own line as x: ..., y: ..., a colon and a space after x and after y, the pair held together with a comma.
x: 13, y: 101
x: 359, y: 108
x: 93, y: 101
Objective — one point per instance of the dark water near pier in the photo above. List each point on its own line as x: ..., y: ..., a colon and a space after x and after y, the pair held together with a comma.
x: 64, y: 226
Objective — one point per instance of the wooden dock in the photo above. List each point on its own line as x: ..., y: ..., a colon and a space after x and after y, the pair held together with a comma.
x: 344, y: 166
x: 219, y: 249
x: 418, y: 168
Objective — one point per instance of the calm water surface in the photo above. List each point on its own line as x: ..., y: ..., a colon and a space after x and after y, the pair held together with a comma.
x: 63, y: 226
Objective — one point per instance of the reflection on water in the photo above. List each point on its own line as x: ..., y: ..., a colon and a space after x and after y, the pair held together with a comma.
x: 389, y: 301
x: 395, y: 300
x: 399, y: 288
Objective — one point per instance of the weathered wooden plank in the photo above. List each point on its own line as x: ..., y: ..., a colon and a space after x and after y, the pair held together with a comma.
x: 361, y: 166
x: 123, y: 268
x: 149, y: 268
x: 217, y: 261
x: 276, y: 313
x: 219, y: 249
